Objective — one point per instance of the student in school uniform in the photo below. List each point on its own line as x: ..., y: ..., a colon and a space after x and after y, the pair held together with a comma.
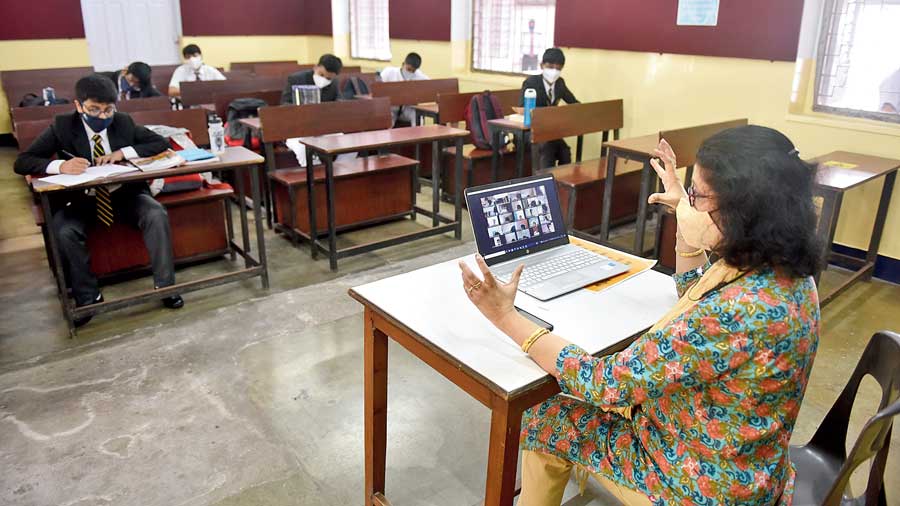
x: 890, y: 93
x: 96, y: 134
x: 134, y: 81
x: 193, y: 69
x: 551, y: 88
x: 323, y: 75
x: 409, y: 71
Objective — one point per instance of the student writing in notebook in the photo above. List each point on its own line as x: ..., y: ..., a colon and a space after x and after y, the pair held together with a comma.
x: 324, y: 76
x: 550, y: 89
x: 193, y: 69
x: 96, y: 134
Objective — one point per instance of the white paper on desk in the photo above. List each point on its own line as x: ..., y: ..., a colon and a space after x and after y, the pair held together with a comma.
x: 109, y: 169
x: 299, y: 150
x: 70, y: 179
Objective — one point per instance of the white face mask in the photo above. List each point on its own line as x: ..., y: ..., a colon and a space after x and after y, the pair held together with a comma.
x: 551, y: 75
x: 697, y: 227
x: 196, y: 62
x: 320, y: 81
x: 407, y: 75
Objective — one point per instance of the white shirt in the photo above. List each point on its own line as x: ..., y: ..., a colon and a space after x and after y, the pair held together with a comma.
x: 395, y: 75
x: 186, y: 73
x: 129, y: 151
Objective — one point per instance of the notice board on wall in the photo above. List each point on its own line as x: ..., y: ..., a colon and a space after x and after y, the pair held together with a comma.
x: 758, y: 29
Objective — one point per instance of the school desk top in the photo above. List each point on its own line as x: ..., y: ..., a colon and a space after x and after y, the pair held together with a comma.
x: 336, y: 144
x: 842, y: 170
x: 642, y: 146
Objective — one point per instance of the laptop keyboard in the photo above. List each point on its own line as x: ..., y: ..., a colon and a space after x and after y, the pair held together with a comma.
x: 540, y: 272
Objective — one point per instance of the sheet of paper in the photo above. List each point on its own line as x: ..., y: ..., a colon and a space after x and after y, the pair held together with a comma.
x: 698, y: 12
x: 636, y: 265
x: 840, y: 165
x: 70, y: 179
x: 110, y: 169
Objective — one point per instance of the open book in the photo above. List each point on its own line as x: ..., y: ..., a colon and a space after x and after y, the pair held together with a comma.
x: 165, y: 160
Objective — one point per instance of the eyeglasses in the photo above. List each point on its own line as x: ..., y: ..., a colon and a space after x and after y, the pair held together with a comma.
x: 693, y: 195
x: 96, y: 111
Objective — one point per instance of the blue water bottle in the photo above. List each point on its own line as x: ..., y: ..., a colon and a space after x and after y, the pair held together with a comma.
x: 530, y: 99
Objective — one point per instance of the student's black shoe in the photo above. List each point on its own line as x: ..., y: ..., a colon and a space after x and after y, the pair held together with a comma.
x: 173, y: 302
x: 80, y: 322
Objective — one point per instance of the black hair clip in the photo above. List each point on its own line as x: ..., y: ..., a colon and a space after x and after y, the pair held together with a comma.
x: 793, y: 152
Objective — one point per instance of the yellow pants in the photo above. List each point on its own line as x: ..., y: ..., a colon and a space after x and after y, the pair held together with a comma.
x: 544, y: 479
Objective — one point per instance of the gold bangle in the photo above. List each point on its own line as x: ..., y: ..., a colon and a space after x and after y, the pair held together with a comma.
x: 533, y: 338
x: 691, y: 254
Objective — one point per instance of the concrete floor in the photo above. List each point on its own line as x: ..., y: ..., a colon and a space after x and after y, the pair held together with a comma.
x: 247, y: 397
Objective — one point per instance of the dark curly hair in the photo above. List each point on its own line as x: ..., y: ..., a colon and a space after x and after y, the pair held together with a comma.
x: 764, y: 195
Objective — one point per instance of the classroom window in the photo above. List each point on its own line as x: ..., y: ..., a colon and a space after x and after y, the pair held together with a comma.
x: 511, y: 35
x: 369, y: 30
x: 858, y: 72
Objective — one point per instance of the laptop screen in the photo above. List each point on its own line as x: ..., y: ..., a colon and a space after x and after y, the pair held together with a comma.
x: 514, y: 218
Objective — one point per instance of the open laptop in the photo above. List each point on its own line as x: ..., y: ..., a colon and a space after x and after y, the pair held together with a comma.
x: 520, y: 222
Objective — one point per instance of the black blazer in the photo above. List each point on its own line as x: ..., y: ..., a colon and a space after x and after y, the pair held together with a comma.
x: 329, y: 93
x: 149, y: 91
x: 560, y: 91
x: 67, y: 133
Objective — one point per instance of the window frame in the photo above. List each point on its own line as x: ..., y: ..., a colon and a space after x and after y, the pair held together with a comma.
x: 474, y: 69
x: 830, y: 21
x: 352, y: 5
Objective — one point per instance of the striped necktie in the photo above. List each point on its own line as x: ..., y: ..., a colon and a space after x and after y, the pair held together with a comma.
x: 104, y: 200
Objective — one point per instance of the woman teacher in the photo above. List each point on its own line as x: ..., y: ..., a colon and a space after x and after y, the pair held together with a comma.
x: 700, y: 409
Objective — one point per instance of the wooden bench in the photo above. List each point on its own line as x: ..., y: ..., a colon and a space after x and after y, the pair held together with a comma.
x: 368, y: 190
x: 281, y: 68
x: 685, y: 143
x: 17, y: 83
x: 581, y: 184
x: 477, y: 161
x: 369, y: 78
x: 20, y: 114
x: 199, y: 219
x: 222, y: 100
x: 197, y: 93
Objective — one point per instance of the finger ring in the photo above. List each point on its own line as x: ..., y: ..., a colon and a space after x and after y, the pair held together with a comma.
x: 473, y: 287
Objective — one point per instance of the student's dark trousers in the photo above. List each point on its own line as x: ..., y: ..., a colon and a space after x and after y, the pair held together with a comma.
x: 133, y: 206
x: 555, y: 151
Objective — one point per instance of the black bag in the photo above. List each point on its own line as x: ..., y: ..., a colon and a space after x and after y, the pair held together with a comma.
x: 32, y: 100
x: 240, y: 108
x: 354, y: 86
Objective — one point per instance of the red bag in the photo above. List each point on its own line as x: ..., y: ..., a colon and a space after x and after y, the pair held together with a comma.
x: 482, y: 108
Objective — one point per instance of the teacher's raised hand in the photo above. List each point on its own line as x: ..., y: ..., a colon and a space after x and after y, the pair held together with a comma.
x: 674, y: 189
x: 492, y: 297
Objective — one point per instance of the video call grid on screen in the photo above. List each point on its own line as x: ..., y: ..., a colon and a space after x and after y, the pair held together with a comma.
x: 525, y: 214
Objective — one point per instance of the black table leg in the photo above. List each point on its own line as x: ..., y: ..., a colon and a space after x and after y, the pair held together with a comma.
x: 520, y: 154
x: 229, y: 224
x: 611, y: 159
x: 257, y: 219
x: 880, y: 219
x: 435, y: 184
x: 245, y: 227
x: 332, y: 229
x: 267, y: 188
x: 641, y: 224
x: 495, y: 155
x: 457, y: 197
x: 59, y: 271
x: 828, y: 218
x: 570, y: 210
x: 311, y: 204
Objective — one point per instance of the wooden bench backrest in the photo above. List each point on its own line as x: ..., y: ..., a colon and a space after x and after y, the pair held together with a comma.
x: 250, y: 66
x: 145, y: 104
x: 28, y: 131
x: 16, y: 83
x: 287, y: 121
x: 161, y: 75
x: 20, y: 114
x: 686, y: 141
x: 192, y: 119
x: 452, y: 106
x: 550, y: 123
x: 201, y: 92
x: 271, y: 97
x: 415, y: 92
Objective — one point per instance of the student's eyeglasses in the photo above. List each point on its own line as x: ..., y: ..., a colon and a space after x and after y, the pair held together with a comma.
x: 96, y: 111
x: 693, y: 196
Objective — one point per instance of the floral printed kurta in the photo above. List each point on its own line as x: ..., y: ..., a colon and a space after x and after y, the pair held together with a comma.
x: 714, y: 396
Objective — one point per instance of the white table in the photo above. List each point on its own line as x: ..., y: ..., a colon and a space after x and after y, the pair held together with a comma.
x: 428, y: 313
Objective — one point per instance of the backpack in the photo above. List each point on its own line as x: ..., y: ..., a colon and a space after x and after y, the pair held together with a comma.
x: 33, y: 100
x: 352, y: 87
x: 482, y: 108
x: 235, y: 132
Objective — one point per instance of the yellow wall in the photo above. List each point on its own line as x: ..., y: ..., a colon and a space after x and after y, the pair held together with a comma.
x: 38, y: 54
x: 660, y: 92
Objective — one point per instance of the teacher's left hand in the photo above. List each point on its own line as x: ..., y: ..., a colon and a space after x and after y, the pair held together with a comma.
x: 492, y: 297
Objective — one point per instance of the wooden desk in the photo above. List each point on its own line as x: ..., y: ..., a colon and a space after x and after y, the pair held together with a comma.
x: 328, y: 147
x: 639, y: 149
x: 427, y: 110
x: 443, y: 329
x: 838, y: 172
x: 237, y: 158
x: 522, y: 135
